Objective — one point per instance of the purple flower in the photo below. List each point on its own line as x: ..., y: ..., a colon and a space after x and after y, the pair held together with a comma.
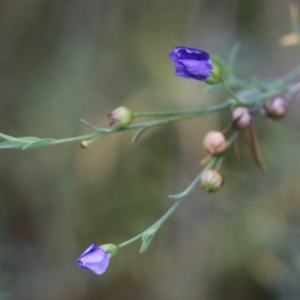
x: 191, y: 63
x: 95, y: 259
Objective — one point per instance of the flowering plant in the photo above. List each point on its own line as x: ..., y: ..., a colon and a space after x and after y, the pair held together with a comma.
x: 246, y: 99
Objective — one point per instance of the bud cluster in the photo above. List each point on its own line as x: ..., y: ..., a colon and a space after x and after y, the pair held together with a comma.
x: 216, y: 144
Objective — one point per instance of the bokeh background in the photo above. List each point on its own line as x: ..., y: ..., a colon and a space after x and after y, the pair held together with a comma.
x: 65, y: 60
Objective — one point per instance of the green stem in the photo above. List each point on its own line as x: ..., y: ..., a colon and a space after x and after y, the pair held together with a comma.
x: 262, y: 97
x: 190, y: 112
x: 180, y: 198
x: 172, y: 116
x: 231, y: 93
x: 94, y: 135
x: 157, y: 223
x: 195, y: 181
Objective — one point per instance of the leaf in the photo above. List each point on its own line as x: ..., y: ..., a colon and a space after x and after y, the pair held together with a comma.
x: 14, y: 143
x: 147, y: 237
x: 11, y: 145
x: 139, y: 133
x: 7, y: 137
x: 94, y: 127
x: 39, y: 143
x: 29, y: 138
x: 177, y: 196
x: 18, y: 140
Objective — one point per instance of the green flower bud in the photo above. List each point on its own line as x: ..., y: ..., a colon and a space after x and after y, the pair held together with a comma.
x: 110, y: 248
x: 215, y: 76
x: 121, y: 117
x: 241, y: 118
x: 211, y: 180
x: 276, y: 107
x: 215, y: 143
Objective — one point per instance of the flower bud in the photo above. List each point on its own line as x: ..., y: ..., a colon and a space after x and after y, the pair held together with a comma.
x: 211, y: 180
x: 110, y: 248
x: 215, y: 76
x: 84, y: 144
x: 215, y: 143
x: 192, y: 63
x: 241, y: 118
x: 94, y: 258
x: 121, y: 117
x: 276, y: 107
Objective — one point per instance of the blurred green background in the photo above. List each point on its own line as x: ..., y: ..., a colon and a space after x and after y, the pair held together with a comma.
x: 65, y: 60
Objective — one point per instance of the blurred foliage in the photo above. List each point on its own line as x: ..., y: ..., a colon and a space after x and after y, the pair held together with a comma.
x: 66, y: 60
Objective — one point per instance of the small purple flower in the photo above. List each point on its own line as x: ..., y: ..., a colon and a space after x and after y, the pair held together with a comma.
x: 95, y: 259
x: 191, y: 63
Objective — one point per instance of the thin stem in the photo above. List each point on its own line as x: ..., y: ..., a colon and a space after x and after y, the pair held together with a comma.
x: 180, y: 198
x: 196, y: 112
x: 264, y: 96
x: 230, y: 92
x: 172, y: 116
x: 195, y: 181
x: 157, y: 223
x: 79, y: 138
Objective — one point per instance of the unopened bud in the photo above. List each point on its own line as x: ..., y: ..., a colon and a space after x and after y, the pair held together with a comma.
x: 84, y: 144
x: 241, y: 118
x: 276, y: 107
x: 121, y: 117
x: 211, y: 180
x: 215, y: 143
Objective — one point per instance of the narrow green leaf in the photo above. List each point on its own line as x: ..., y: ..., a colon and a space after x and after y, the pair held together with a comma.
x: 7, y: 137
x: 11, y: 145
x: 39, y: 143
x: 94, y: 127
x: 147, y: 238
x: 15, y: 143
x: 13, y: 139
x: 139, y: 133
x: 29, y: 138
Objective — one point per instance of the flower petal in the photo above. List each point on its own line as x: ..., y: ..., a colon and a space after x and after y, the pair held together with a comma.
x: 95, y: 259
x: 191, y: 63
x: 200, y: 70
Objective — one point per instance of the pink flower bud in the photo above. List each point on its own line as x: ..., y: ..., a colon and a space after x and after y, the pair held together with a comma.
x: 276, y: 107
x: 241, y: 118
x: 121, y: 117
x: 215, y: 143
